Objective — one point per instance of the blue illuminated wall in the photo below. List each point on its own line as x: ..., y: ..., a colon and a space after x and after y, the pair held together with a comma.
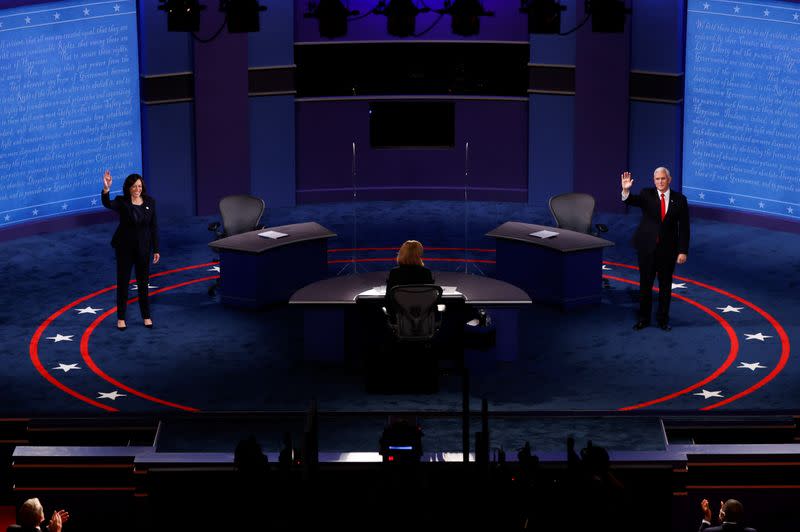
x: 69, y: 106
x: 741, y: 148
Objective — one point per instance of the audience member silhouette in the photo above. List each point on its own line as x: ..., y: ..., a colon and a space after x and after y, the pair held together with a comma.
x: 731, y: 517
x: 31, y: 517
x: 602, y: 496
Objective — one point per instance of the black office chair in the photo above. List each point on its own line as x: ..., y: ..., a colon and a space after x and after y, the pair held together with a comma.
x: 574, y: 211
x: 240, y: 213
x: 406, y: 361
x: 417, y: 317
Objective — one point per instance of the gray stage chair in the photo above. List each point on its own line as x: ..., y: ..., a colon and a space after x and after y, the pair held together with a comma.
x: 574, y: 211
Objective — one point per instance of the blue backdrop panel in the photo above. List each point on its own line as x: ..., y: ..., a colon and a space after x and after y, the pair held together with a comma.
x: 742, y: 114
x: 169, y: 165
x: 654, y: 141
x: 69, y: 106
x: 272, y: 153
x: 551, y: 147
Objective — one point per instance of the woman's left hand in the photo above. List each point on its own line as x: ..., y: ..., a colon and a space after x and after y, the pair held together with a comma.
x: 156, y: 258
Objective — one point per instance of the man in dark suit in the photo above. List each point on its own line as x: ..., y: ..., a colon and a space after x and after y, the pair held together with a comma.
x: 661, y: 241
x: 731, y: 515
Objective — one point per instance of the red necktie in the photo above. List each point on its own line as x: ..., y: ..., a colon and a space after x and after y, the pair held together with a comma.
x: 663, y: 207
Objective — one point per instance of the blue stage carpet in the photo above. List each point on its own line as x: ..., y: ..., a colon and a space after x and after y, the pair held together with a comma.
x: 207, y: 357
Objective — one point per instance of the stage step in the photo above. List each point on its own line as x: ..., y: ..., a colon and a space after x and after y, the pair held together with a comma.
x: 731, y: 430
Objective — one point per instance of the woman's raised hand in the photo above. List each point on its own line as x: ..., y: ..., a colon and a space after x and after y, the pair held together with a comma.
x: 107, y: 181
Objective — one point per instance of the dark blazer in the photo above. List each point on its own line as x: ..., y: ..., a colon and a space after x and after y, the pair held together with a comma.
x: 673, y: 232
x: 135, y: 232
x: 725, y: 527
x: 407, y: 274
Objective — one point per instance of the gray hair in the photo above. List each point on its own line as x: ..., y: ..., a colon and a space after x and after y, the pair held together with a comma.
x: 31, y: 513
x: 665, y: 170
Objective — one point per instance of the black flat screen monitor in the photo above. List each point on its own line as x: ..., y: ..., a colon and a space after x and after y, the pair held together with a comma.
x: 412, y: 124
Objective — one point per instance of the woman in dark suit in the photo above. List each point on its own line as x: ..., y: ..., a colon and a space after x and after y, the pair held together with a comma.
x: 410, y: 268
x: 134, y: 240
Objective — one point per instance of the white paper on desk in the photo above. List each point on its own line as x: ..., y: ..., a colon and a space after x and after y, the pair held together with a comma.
x: 544, y: 233
x: 450, y: 291
x: 376, y: 291
x: 272, y: 234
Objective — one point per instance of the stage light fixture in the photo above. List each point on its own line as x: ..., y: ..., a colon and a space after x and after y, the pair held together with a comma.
x: 544, y: 16
x: 608, y: 16
x: 182, y: 15
x: 242, y: 15
x: 401, y: 16
x: 332, y: 16
x: 465, y: 16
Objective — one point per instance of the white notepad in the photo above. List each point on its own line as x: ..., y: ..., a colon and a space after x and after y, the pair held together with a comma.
x: 272, y: 234
x: 544, y: 233
x: 450, y: 291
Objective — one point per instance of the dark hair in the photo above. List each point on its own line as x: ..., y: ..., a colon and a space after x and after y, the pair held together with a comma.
x: 129, y: 181
x: 734, y: 511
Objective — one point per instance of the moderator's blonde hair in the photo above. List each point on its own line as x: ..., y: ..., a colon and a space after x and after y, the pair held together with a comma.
x: 31, y: 513
x: 410, y: 253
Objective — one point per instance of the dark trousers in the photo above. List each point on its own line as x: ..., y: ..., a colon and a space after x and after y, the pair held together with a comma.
x: 141, y: 262
x: 659, y: 263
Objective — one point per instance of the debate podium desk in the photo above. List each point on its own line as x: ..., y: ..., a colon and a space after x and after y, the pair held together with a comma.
x: 256, y: 271
x: 337, y: 317
x: 564, y: 270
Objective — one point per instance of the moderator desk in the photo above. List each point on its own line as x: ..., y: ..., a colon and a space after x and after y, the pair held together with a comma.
x: 333, y: 323
x: 566, y: 270
x: 256, y: 271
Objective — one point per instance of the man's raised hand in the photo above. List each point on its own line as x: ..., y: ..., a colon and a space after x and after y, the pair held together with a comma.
x: 107, y: 181
x: 627, y: 181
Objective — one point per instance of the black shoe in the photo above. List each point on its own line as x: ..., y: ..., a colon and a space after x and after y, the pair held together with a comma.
x: 665, y: 326
x: 641, y: 324
x: 121, y: 328
x: 148, y: 325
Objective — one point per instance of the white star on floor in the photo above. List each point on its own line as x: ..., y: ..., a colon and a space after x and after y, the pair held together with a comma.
x: 761, y: 204
x: 87, y: 310
x: 702, y: 195
x: 27, y: 20
x: 94, y: 201
x: 758, y: 336
x: 706, y: 394
x: 790, y: 210
x: 116, y: 8
x: 64, y: 207
x: 736, y: 9
x: 35, y: 212
x: 135, y: 286
x: 766, y: 12
x: 729, y: 308
x: 706, y: 6
x: 214, y: 269
x: 86, y: 12
x: 731, y: 200
x: 8, y: 217
x: 61, y: 338
x: 66, y: 367
x: 111, y: 395
x: 752, y: 366
x: 796, y: 16
x: 606, y: 268
x: 56, y: 16
x: 678, y: 285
